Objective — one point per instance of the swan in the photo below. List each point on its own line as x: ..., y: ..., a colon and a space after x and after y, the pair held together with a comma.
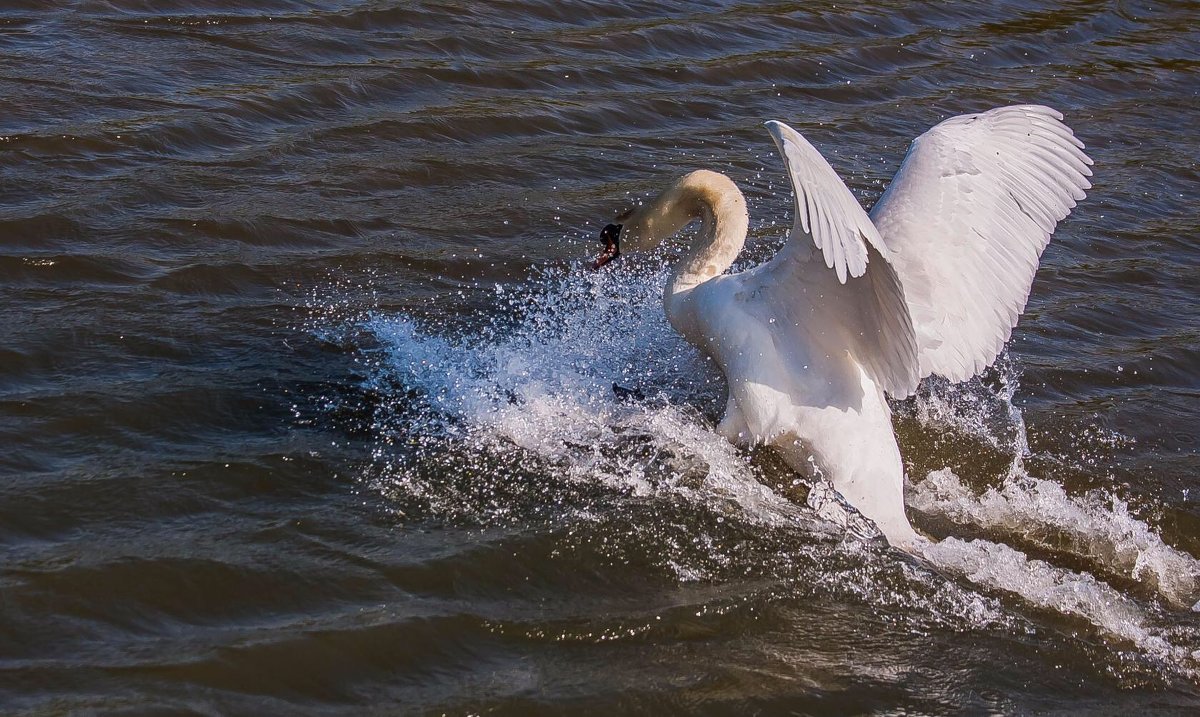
x: 856, y: 306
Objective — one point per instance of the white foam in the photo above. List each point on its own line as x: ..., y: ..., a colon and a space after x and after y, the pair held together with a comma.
x: 544, y: 385
x: 1097, y: 526
x: 998, y: 566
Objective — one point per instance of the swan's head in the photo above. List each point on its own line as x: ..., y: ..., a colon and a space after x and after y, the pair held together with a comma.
x: 631, y: 231
x: 611, y: 236
x: 644, y: 227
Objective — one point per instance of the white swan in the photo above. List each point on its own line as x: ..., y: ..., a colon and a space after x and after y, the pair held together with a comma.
x: 855, y: 305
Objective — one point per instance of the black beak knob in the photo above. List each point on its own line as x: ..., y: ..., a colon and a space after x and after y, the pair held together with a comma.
x: 611, y: 236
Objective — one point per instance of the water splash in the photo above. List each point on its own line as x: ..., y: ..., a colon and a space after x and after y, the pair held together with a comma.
x: 1097, y: 526
x: 523, y: 409
x: 1066, y: 592
x: 539, y: 380
x: 1096, y: 529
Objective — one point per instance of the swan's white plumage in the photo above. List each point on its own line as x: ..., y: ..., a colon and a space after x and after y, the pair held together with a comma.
x: 868, y: 316
x: 825, y: 209
x: 855, y: 305
x: 966, y: 219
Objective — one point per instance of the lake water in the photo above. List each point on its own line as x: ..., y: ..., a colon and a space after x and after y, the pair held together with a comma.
x: 306, y: 397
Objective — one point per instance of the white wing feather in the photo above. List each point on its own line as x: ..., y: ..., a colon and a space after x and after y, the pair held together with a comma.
x: 863, y: 311
x: 966, y: 219
x: 826, y: 211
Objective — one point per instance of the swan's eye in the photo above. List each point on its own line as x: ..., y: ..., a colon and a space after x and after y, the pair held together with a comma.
x: 624, y: 216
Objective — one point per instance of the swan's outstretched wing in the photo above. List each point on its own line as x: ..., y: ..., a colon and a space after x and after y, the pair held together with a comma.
x: 863, y: 311
x: 966, y: 219
x: 826, y: 211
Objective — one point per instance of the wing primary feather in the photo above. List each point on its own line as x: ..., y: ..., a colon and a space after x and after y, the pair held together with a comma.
x: 966, y: 218
x: 862, y: 290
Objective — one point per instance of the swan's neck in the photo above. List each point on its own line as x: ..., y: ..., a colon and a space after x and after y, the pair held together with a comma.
x: 719, y: 205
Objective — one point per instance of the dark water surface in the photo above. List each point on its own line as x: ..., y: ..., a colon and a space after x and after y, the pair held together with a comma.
x: 305, y: 402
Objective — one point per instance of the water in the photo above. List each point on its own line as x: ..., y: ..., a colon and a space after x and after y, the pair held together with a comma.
x: 307, y: 402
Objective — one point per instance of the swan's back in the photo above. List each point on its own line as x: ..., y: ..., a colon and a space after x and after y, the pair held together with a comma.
x: 781, y: 337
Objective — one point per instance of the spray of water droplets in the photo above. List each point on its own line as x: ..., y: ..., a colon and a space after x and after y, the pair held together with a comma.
x: 569, y: 398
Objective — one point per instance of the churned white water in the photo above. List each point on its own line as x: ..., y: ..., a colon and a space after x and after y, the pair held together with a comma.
x: 545, y: 384
x: 539, y: 377
x: 1096, y: 527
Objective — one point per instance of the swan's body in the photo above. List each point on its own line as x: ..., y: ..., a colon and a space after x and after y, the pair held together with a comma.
x: 855, y: 307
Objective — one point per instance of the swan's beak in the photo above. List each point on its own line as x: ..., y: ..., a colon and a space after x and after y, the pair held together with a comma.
x: 611, y: 236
